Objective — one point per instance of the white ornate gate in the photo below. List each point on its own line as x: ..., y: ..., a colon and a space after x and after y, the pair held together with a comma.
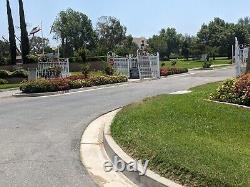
x: 147, y: 65
x: 241, y: 55
x: 43, y: 68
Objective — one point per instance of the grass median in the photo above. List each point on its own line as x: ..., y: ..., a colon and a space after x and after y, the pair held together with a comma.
x: 8, y: 86
x: 196, y: 63
x: 188, y: 139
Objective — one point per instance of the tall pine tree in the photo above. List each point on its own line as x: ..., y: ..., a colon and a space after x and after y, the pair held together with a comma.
x: 12, y: 38
x: 24, y: 34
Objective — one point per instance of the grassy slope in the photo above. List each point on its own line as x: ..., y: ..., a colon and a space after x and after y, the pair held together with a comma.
x: 196, y: 64
x: 187, y: 139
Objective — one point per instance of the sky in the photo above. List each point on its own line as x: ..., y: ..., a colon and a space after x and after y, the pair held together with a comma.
x: 141, y: 17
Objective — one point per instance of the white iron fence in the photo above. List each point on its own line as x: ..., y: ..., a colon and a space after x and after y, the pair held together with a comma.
x: 44, y: 68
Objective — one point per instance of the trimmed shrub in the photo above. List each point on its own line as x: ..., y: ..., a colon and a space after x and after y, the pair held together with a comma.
x: 54, y: 72
x: 4, y: 74
x: 73, y: 82
x: 33, y: 59
x: 234, y: 91
x: 109, y: 70
x: 206, y: 64
x: 20, y: 74
x: 45, y: 85
x: 3, y: 81
x: 165, y: 71
x: 85, y: 69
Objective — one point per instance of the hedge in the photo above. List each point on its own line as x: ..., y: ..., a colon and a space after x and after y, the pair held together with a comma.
x: 64, y: 84
x: 165, y: 71
x: 3, y: 81
x: 4, y: 74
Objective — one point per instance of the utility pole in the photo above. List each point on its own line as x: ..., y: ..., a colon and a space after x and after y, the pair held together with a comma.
x: 42, y: 36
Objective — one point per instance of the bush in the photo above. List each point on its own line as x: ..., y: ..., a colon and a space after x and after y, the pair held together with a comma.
x: 20, y: 74
x: 165, y: 71
x: 75, y: 84
x: 45, y: 85
x: 173, y: 62
x: 4, y: 74
x: 85, y: 69
x: 33, y: 59
x: 234, y: 91
x: 54, y: 72
x: 206, y: 64
x: 3, y: 81
x: 163, y: 64
x: 109, y: 70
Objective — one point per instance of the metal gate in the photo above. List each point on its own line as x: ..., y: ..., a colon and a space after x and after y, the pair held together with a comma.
x: 148, y: 65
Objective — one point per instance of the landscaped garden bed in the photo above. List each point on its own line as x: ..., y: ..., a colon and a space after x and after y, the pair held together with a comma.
x: 235, y: 91
x: 72, y: 82
x: 165, y: 71
x: 188, y: 139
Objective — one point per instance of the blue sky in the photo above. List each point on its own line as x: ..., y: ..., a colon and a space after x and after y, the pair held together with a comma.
x: 141, y: 17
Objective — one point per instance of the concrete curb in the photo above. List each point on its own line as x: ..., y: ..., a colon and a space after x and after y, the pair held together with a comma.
x: 150, y: 179
x: 69, y: 91
x: 9, y: 89
x: 97, y: 147
x: 231, y: 104
x: 78, y: 90
x: 93, y: 155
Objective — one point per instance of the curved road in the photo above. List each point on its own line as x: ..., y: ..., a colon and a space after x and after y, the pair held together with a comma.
x: 39, y: 137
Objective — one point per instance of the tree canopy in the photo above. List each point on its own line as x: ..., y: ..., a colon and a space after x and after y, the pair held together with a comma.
x: 75, y: 31
x: 215, y: 39
x: 12, y: 39
x: 111, y: 33
x: 37, y: 44
x: 25, y: 48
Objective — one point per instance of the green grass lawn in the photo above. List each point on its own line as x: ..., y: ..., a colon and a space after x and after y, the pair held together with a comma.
x: 187, y: 139
x: 196, y: 64
x: 8, y: 86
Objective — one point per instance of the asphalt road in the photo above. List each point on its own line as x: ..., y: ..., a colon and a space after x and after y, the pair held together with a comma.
x: 39, y: 137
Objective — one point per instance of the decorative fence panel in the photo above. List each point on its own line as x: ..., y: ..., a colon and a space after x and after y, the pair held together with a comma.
x: 43, y: 68
x: 121, y: 65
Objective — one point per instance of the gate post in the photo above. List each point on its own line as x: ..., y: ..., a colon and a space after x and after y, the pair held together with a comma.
x: 158, y: 64
x: 248, y: 62
x: 128, y: 62
x: 237, y: 58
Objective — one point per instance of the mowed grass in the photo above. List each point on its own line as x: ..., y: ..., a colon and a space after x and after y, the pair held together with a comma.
x: 8, y: 86
x: 187, y: 139
x: 190, y: 64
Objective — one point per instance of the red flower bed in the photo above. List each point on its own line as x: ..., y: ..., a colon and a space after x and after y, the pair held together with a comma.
x: 63, y: 84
